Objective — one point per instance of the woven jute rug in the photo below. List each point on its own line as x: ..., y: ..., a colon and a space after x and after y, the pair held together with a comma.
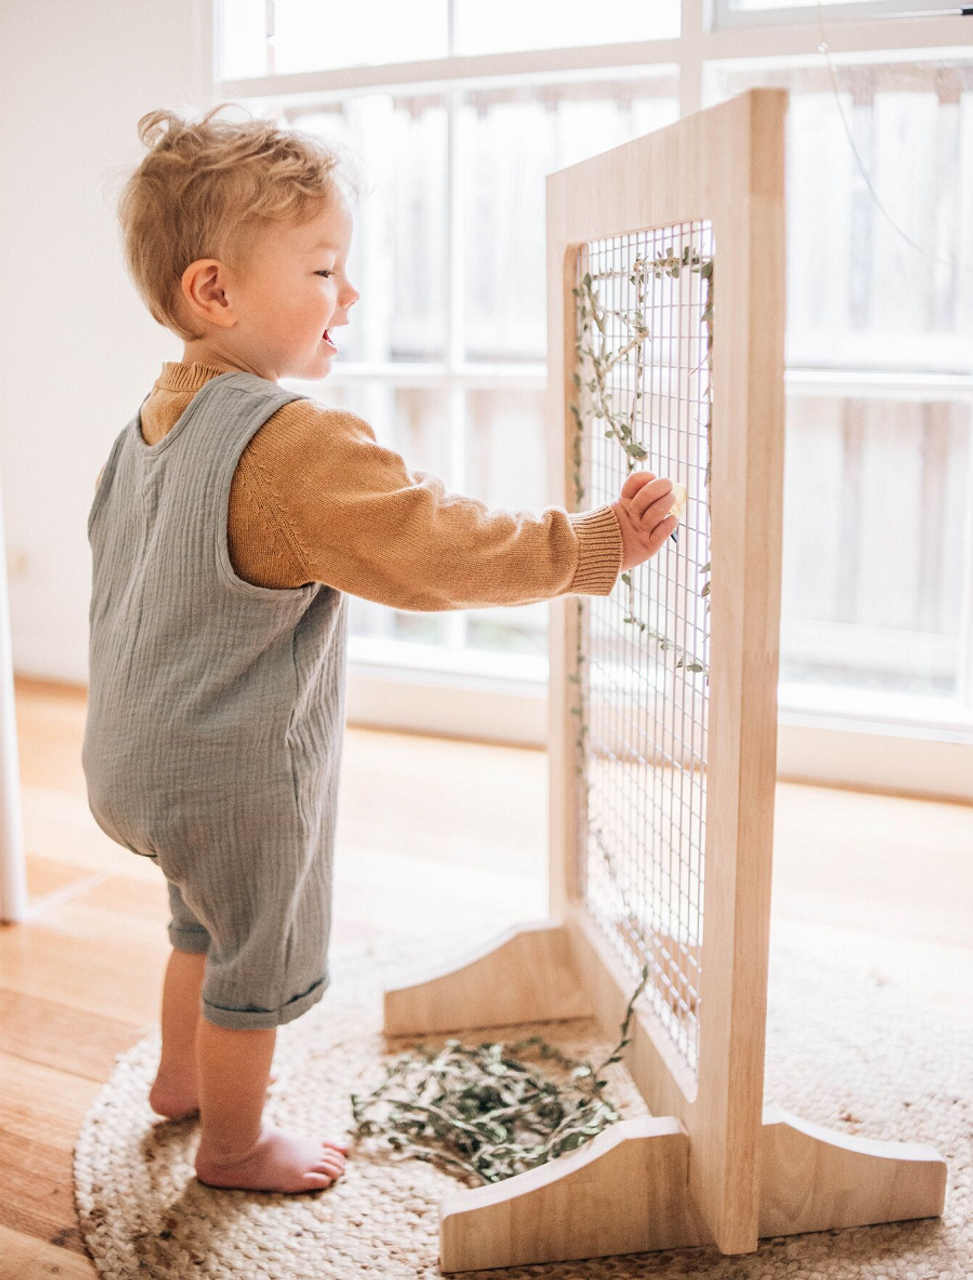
x: 845, y: 1049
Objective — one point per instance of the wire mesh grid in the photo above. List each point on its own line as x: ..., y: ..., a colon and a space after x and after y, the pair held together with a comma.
x: 643, y: 402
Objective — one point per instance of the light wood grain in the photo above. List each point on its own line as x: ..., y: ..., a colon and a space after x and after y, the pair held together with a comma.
x: 578, y: 1202
x: 726, y: 165
x: 524, y: 976
x: 23, y: 1256
x: 50, y: 1033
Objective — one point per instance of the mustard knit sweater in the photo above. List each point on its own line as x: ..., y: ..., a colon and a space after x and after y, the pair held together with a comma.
x: 316, y: 498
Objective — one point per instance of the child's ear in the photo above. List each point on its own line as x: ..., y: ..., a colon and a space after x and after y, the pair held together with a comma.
x: 202, y: 287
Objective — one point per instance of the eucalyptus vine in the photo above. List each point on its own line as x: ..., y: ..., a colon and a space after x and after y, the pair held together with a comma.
x: 621, y: 426
x: 484, y: 1112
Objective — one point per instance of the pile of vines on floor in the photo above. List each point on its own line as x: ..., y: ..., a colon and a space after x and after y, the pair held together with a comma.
x: 487, y: 1113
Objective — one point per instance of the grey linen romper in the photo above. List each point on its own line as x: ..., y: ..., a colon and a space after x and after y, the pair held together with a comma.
x: 215, y: 711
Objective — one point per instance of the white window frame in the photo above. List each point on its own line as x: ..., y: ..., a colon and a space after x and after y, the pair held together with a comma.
x: 899, y: 745
x: 725, y: 16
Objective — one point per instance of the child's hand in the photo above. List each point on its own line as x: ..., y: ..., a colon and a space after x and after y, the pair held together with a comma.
x: 642, y: 513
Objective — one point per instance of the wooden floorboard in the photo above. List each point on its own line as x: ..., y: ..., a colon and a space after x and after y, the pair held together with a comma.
x: 27, y: 1257
x: 37, y: 1030
x: 885, y: 882
x: 37, y: 1194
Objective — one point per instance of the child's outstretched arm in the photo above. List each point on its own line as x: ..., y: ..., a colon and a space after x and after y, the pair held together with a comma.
x: 367, y: 524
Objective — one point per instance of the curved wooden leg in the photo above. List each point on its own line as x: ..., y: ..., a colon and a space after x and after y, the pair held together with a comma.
x: 524, y: 975
x: 625, y: 1191
x: 816, y: 1179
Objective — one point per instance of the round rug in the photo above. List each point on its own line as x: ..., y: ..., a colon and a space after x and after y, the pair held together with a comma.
x: 845, y: 1049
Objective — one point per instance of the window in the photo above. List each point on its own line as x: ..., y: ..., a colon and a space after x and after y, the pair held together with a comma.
x: 457, y: 119
x: 730, y: 13
x: 879, y: 321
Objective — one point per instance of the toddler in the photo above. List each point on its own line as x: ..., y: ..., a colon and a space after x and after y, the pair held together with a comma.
x: 230, y: 523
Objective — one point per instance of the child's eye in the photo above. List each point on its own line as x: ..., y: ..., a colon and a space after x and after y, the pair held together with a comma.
x: 324, y: 273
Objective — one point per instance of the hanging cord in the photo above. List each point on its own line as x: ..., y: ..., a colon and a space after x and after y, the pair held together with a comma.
x: 967, y: 11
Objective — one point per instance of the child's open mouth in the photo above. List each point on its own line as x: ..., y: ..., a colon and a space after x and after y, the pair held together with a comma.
x: 329, y: 342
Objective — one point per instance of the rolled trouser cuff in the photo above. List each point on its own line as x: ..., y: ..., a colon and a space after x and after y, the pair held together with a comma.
x: 258, y: 1019
x: 195, y: 941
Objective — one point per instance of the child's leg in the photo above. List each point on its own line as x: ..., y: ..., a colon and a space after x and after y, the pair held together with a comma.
x: 175, y: 1092
x: 238, y: 1148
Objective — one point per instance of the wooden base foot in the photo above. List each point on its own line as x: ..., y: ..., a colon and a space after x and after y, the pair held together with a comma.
x: 629, y: 1189
x: 524, y: 975
x: 623, y: 1192
x: 817, y: 1179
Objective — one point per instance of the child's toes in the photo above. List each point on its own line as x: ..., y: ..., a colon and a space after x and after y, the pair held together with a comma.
x: 315, y: 1180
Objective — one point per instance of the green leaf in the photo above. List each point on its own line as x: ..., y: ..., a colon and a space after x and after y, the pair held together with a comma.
x: 571, y: 1141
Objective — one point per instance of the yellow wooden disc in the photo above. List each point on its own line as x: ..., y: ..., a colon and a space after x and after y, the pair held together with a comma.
x: 679, y: 499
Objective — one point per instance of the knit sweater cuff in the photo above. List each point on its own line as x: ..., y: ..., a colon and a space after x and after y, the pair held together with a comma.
x: 599, y: 551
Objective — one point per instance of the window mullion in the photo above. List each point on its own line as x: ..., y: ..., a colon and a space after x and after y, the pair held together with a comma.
x: 964, y: 691
x: 270, y: 50
x: 455, y: 622
x: 690, y: 56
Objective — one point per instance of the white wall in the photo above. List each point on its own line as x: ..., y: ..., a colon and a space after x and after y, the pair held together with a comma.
x: 78, y: 350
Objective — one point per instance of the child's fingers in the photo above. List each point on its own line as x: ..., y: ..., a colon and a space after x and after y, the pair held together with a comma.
x: 635, y: 482
x: 663, y: 530
x: 651, y: 495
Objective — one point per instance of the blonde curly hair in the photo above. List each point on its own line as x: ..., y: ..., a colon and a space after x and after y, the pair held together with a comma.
x: 208, y: 189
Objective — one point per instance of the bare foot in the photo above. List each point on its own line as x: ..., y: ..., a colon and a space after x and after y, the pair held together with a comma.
x: 176, y: 1099
x: 277, y: 1161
